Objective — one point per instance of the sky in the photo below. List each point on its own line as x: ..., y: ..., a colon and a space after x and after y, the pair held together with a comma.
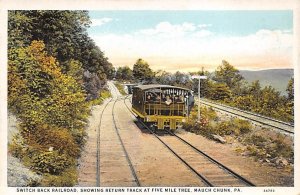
x: 188, y: 40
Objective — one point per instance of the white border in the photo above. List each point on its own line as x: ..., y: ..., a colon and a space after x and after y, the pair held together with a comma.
x: 146, y: 5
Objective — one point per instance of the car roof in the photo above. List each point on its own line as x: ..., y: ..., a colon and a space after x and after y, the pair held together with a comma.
x: 146, y: 87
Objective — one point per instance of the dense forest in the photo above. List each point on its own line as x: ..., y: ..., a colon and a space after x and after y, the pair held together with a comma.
x: 225, y: 85
x: 54, y: 70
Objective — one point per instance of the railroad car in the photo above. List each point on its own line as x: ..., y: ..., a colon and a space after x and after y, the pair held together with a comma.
x: 162, y: 106
x: 129, y: 87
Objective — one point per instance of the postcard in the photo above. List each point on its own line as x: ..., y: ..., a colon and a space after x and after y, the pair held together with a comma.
x: 144, y: 97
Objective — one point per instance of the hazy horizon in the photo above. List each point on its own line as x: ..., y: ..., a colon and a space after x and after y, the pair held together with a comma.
x: 190, y: 40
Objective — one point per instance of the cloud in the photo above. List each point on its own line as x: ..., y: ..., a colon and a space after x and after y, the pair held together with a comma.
x: 100, y: 21
x: 202, y: 33
x: 168, y: 29
x: 204, y: 25
x: 193, y: 48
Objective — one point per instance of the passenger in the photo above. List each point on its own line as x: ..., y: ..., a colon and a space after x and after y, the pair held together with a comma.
x: 163, y: 97
x: 176, y: 99
x: 181, y: 98
x: 152, y: 98
x: 168, y: 100
x: 148, y: 98
x: 157, y: 98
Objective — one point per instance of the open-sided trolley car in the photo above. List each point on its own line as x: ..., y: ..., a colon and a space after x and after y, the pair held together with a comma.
x: 162, y: 106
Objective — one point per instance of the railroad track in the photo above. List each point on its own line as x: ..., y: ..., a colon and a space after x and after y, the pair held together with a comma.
x: 281, y: 126
x: 119, y: 147
x: 251, y: 113
x: 208, y: 170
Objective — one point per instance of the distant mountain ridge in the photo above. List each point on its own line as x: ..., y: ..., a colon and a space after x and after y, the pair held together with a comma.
x: 277, y: 78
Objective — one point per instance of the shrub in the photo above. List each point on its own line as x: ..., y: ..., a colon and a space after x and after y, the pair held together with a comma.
x: 17, y: 147
x: 241, y: 126
x: 67, y: 178
x: 256, y: 139
x: 223, y: 128
x: 104, y: 94
x: 50, y: 162
x: 280, y: 148
x: 120, y: 88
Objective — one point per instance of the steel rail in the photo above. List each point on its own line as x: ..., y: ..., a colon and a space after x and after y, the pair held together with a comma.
x: 248, y: 112
x: 123, y: 146
x: 98, y: 147
x: 228, y: 170
x: 203, y: 179
x: 270, y: 125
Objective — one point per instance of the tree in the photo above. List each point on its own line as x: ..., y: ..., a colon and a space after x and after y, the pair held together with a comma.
x: 19, y: 29
x: 227, y: 74
x: 142, y: 71
x: 290, y: 98
x: 124, y: 73
x: 75, y: 70
x: 290, y: 90
x: 162, y: 77
x: 46, y: 95
x: 64, y: 34
x: 204, y: 86
x: 218, y: 91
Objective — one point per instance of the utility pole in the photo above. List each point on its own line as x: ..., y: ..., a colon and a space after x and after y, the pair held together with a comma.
x: 199, y: 77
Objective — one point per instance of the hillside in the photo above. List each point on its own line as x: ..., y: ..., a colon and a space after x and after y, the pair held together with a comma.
x: 277, y: 78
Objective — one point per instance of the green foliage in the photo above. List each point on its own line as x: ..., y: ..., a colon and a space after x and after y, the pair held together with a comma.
x: 48, y: 96
x: 142, y: 71
x: 218, y: 91
x: 19, y: 28
x: 210, y: 124
x: 261, y: 145
x: 45, y: 136
x: 64, y: 34
x: 290, y: 99
x: 205, y: 85
x: 17, y: 147
x: 227, y: 74
x: 104, y: 94
x: 67, y: 178
x: 290, y: 90
x: 124, y: 73
x: 241, y: 126
x: 50, y: 162
x: 204, y: 127
x: 120, y: 88
x: 51, y: 106
x: 74, y: 69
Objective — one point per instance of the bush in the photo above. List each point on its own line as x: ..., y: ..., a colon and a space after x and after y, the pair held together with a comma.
x: 223, y: 128
x: 50, y: 162
x: 256, y: 140
x: 17, y: 147
x: 104, y: 94
x: 280, y: 148
x: 45, y: 136
x: 120, y: 88
x: 67, y: 178
x: 241, y: 126
x: 263, y: 145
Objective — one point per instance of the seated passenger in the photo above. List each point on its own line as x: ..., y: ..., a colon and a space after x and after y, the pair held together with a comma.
x: 168, y: 100
x: 176, y: 99
x: 148, y: 98
x: 163, y: 98
x: 152, y: 97
x: 181, y: 98
x: 157, y: 99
